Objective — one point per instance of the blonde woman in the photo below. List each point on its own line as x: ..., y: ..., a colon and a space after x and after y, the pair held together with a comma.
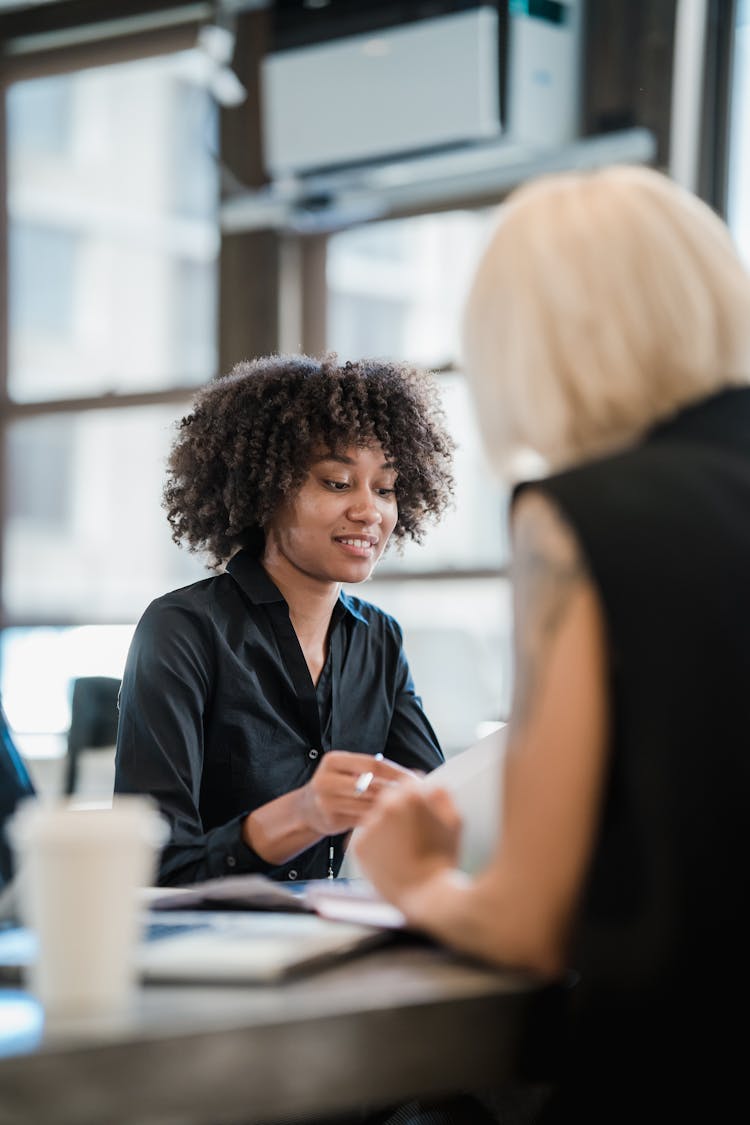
x: 608, y: 328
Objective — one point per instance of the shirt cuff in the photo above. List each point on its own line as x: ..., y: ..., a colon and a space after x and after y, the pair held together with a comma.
x: 228, y: 854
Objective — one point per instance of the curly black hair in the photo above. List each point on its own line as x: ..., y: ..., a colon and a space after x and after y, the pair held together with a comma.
x: 252, y: 436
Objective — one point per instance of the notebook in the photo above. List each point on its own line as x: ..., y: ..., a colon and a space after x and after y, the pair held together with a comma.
x: 261, y: 946
x: 221, y: 947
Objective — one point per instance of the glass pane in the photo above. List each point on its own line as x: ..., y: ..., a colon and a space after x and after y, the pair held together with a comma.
x: 738, y: 202
x: 457, y: 637
x: 396, y: 288
x: 472, y: 534
x: 38, y: 669
x: 86, y: 538
x: 113, y: 233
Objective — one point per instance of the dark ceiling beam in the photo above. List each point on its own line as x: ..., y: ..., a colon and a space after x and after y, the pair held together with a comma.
x: 70, y: 35
x: 38, y: 19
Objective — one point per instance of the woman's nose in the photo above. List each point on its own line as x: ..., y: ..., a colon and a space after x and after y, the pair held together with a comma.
x: 364, y: 509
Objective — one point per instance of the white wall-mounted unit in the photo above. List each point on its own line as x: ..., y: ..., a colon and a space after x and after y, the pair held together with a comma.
x: 544, y: 71
x: 375, y: 96
x: 418, y: 114
x: 456, y: 79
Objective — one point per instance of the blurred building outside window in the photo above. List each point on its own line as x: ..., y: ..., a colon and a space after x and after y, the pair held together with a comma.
x: 113, y: 194
x: 395, y: 290
x: 113, y: 234
x: 85, y: 536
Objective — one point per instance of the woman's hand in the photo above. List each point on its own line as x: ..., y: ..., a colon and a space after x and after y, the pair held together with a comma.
x: 346, y: 786
x: 410, y: 835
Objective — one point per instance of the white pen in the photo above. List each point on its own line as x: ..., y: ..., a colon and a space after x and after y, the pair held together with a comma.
x: 364, y: 781
x: 362, y: 784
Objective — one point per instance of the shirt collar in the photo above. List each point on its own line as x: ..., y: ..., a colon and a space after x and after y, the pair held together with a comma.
x: 348, y: 604
x: 245, y: 568
x: 247, y: 571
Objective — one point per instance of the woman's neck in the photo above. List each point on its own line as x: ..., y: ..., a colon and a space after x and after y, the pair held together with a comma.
x: 310, y: 601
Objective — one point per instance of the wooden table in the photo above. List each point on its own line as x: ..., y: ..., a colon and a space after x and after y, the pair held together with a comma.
x: 402, y: 1021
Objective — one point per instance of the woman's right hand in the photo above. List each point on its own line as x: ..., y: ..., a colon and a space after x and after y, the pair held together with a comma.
x: 331, y: 800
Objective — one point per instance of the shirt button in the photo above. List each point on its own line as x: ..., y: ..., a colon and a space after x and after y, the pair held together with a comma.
x: 312, y: 754
x: 292, y: 875
x: 231, y: 861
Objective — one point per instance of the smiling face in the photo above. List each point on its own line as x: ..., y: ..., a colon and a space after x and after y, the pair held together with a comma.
x: 335, y: 528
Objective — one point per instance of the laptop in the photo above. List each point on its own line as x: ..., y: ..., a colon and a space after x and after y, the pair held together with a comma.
x: 186, y: 945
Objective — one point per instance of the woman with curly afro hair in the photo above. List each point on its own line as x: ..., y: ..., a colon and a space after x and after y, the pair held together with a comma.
x: 263, y: 708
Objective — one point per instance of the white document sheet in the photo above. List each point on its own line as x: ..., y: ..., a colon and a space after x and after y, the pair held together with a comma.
x: 474, y: 780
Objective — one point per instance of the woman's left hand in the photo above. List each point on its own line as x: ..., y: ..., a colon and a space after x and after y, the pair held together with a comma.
x: 410, y: 834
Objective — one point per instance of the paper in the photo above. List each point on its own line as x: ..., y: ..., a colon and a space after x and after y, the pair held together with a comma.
x: 353, y: 900
x: 474, y: 779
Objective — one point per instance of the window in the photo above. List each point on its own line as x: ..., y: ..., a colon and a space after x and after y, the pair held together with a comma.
x: 738, y: 202
x: 42, y: 285
x: 39, y: 666
x: 111, y: 232
x: 395, y: 290
x: 85, y: 536
x: 113, y: 277
x: 410, y: 277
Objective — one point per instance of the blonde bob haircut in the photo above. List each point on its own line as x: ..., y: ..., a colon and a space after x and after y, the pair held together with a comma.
x: 604, y: 302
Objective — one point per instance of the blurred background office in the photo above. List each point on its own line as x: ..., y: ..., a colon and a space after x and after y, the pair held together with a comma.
x: 189, y: 184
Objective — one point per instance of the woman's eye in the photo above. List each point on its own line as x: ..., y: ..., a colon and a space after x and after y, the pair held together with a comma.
x: 386, y: 491
x: 336, y: 485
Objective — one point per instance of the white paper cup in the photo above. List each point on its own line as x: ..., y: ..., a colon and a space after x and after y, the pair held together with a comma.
x: 80, y: 872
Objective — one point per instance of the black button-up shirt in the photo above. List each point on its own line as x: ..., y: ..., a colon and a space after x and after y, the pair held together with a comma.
x: 219, y: 715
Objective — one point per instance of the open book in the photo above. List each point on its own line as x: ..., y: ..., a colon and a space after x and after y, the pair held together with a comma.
x: 474, y: 780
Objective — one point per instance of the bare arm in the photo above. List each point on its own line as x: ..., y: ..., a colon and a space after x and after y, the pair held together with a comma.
x: 519, y: 910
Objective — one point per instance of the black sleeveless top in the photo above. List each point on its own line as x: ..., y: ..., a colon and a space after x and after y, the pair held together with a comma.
x: 663, y: 937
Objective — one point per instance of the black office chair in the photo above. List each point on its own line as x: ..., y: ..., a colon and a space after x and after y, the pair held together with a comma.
x: 93, y: 722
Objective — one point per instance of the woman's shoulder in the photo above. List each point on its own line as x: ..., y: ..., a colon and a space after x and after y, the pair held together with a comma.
x: 371, y: 615
x: 201, y: 600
